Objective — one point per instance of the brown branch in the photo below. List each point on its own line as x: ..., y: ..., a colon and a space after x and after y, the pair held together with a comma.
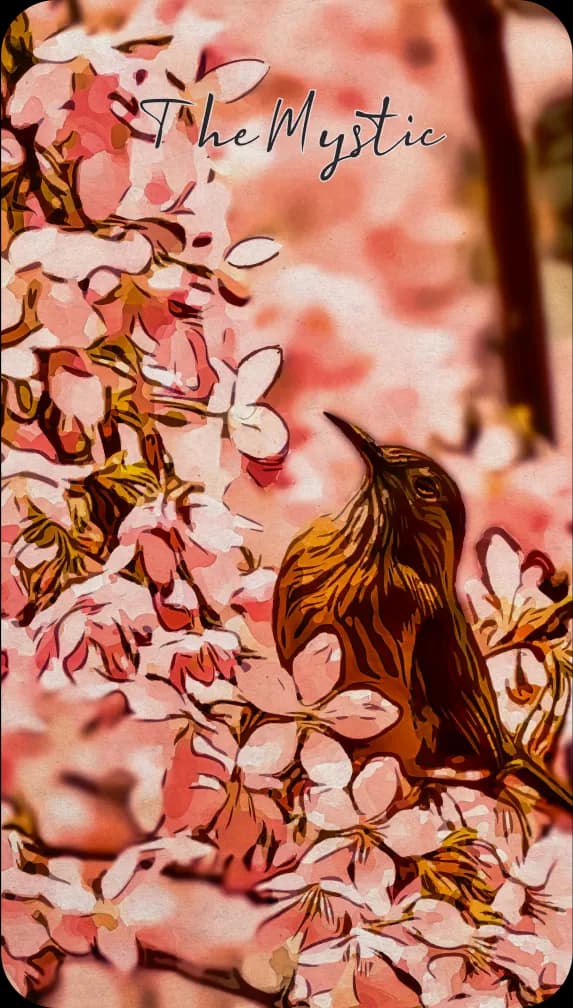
x: 479, y: 25
x: 228, y: 980
x: 532, y: 633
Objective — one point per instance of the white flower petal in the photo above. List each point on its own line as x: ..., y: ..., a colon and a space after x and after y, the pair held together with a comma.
x: 231, y: 81
x: 256, y: 374
x: 19, y: 363
x: 252, y: 252
x: 11, y: 306
x: 166, y: 278
x: 73, y: 254
x: 261, y: 435
x: 120, y: 873
x: 502, y: 564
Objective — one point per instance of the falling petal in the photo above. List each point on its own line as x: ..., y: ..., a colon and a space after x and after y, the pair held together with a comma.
x: 255, y: 375
x: 252, y: 252
x: 231, y: 81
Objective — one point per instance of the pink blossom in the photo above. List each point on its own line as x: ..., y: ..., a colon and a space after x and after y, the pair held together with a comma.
x: 255, y: 596
x: 302, y: 701
x: 217, y: 786
x: 193, y: 657
x: 320, y: 893
x: 512, y: 586
x: 535, y: 944
x: 375, y: 956
x: 348, y: 970
x: 106, y: 626
x: 255, y: 430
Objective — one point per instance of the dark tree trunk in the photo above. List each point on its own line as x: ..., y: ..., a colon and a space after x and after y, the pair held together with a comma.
x: 479, y: 24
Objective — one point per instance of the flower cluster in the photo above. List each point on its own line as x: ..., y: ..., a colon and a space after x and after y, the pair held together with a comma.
x: 173, y: 798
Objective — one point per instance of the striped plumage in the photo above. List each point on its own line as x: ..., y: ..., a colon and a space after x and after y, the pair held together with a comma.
x: 381, y: 575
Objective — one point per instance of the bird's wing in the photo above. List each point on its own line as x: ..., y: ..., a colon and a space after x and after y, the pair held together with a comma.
x: 450, y: 676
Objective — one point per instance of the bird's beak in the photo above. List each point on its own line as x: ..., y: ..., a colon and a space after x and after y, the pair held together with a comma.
x: 364, y: 444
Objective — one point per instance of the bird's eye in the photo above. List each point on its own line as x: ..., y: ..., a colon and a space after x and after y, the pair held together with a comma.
x: 426, y: 488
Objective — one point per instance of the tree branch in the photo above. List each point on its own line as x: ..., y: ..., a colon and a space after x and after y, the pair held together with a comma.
x: 228, y: 980
x: 479, y: 26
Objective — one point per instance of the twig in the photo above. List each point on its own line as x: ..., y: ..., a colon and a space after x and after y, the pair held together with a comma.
x: 228, y: 980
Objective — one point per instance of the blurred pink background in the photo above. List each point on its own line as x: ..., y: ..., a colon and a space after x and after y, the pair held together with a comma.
x: 383, y: 296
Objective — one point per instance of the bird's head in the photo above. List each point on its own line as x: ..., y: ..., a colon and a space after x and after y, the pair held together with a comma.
x: 419, y: 504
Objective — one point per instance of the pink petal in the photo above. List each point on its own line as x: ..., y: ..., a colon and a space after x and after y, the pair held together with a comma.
x: 118, y: 947
x: 369, y: 983
x: 329, y: 808
x: 24, y: 935
x: 325, y: 761
x: 255, y: 596
x: 270, y: 749
x: 159, y: 559
x: 359, y: 713
x: 413, y: 832
x: 501, y: 560
x: 268, y: 686
x: 316, y: 669
x: 373, y: 875
x: 376, y: 785
x: 78, y: 396
x: 206, y: 798
x: 116, y: 878
x: 509, y: 901
x: 440, y: 924
x: 176, y: 608
x: 447, y: 973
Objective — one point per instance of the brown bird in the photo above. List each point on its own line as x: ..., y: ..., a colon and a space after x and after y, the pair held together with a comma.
x: 381, y: 575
